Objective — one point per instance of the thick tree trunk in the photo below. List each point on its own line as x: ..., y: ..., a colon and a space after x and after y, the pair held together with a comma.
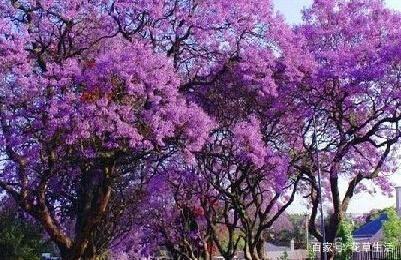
x: 93, y: 198
x: 88, y: 253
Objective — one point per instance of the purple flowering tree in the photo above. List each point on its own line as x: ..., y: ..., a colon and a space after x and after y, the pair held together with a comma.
x: 249, y: 160
x: 354, y: 95
x: 77, y: 103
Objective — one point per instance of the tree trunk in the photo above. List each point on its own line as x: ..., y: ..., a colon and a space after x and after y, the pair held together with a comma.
x: 206, y: 253
x: 260, y: 249
x: 93, y: 198
x: 90, y: 251
x: 251, y: 252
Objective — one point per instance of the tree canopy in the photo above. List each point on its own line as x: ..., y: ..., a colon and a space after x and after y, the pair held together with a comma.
x: 131, y: 127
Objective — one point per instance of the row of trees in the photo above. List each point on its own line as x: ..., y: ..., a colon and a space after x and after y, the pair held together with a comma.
x: 187, y: 125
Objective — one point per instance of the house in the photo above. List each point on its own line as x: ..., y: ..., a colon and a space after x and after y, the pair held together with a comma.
x: 373, y: 230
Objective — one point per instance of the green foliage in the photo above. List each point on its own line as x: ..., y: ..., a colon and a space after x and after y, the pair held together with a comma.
x: 311, y: 253
x: 392, y: 228
x: 238, y: 236
x: 19, y: 239
x: 344, y: 235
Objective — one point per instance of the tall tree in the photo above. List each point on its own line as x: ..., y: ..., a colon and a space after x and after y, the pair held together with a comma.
x: 250, y: 157
x: 77, y: 103
x: 354, y: 97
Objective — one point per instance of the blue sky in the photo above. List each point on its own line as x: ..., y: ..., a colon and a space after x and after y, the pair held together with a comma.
x: 361, y: 203
x: 291, y: 8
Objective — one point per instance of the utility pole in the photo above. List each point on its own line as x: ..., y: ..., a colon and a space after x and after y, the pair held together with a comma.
x: 319, y: 179
x: 307, y: 231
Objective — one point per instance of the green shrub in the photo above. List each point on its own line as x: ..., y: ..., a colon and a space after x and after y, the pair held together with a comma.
x: 344, y: 234
x: 392, y: 228
x: 20, y: 239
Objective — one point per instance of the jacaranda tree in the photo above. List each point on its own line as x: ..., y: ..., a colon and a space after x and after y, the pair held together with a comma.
x: 77, y: 103
x: 354, y: 97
